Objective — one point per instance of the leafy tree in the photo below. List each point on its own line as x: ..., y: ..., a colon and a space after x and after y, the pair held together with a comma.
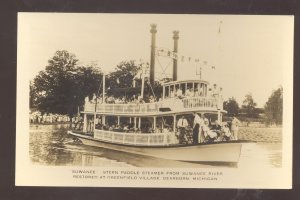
x: 249, y: 106
x: 231, y: 106
x: 124, y: 75
x: 63, y: 85
x: 274, y: 107
x: 152, y: 90
x: 32, y: 95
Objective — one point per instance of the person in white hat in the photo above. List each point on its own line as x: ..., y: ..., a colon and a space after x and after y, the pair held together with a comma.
x: 199, y: 120
x: 182, y: 124
x: 235, y: 127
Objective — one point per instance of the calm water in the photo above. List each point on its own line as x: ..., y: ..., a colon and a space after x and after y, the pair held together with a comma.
x: 51, y: 145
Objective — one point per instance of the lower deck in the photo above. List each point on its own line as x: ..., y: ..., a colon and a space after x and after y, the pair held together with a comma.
x: 205, y: 152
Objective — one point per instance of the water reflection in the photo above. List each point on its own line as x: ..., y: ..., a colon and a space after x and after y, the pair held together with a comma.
x: 51, y: 145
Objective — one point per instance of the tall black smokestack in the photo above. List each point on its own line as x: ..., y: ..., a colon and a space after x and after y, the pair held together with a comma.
x: 152, y: 58
x: 175, y: 37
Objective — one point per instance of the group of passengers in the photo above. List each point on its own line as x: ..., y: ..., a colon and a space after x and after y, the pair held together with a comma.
x: 47, y: 118
x: 195, y: 92
x: 190, y: 92
x: 124, y: 127
x: 135, y: 99
x: 204, y: 131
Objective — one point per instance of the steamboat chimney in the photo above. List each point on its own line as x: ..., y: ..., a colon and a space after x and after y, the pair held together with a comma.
x: 175, y: 37
x: 152, y: 58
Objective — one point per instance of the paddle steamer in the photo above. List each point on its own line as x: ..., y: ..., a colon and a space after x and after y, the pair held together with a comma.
x: 152, y: 127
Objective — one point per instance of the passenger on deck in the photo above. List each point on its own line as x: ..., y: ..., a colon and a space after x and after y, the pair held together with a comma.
x: 199, y: 120
x: 216, y: 126
x: 90, y: 125
x: 196, y: 134
x: 111, y: 128
x: 111, y: 99
x: 196, y: 94
x: 140, y: 99
x: 235, y: 127
x: 182, y: 125
x: 209, y: 93
x: 172, y: 94
x: 165, y: 129
x: 151, y: 99
x: 179, y: 93
x: 226, y: 132
x: 192, y: 92
x: 209, y: 135
x: 188, y: 92
x: 80, y: 121
x: 126, y: 128
x: 215, y: 91
x: 158, y: 129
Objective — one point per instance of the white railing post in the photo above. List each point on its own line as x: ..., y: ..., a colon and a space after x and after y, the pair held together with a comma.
x: 149, y: 139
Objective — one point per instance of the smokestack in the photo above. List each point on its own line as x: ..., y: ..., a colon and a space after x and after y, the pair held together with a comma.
x: 175, y: 37
x: 152, y: 58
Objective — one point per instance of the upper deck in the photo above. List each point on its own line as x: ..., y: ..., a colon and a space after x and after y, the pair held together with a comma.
x: 178, y: 96
x: 185, y: 88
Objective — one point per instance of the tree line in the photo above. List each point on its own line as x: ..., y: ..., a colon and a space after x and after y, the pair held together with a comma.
x: 271, y: 113
x: 63, y: 85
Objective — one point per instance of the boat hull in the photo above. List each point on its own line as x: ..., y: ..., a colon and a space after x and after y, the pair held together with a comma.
x: 213, y: 152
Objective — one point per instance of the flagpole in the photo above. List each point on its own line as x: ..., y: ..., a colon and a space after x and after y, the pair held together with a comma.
x: 103, y: 89
x: 143, y: 85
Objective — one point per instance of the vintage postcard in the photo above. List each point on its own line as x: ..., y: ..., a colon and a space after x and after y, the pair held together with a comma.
x: 154, y: 100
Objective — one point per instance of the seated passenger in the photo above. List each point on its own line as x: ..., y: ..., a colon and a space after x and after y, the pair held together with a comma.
x: 192, y: 92
x: 172, y: 94
x: 104, y: 127
x: 216, y: 127
x: 196, y: 94
x: 118, y: 128
x: 152, y: 99
x: 209, y: 135
x: 165, y: 129
x: 179, y: 93
x: 200, y: 93
x: 227, y: 133
x: 126, y: 128
x: 111, y: 128
x: 150, y: 130
x: 111, y: 99
x: 188, y: 93
x: 158, y: 129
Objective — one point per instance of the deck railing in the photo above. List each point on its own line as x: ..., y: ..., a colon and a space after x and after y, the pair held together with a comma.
x: 195, y: 102
x: 144, y: 108
x: 124, y: 108
x: 146, y: 139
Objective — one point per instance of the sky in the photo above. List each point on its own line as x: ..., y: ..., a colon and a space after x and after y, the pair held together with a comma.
x: 249, y: 53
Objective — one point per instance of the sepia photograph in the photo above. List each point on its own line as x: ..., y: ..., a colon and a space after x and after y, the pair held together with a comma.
x: 154, y: 100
